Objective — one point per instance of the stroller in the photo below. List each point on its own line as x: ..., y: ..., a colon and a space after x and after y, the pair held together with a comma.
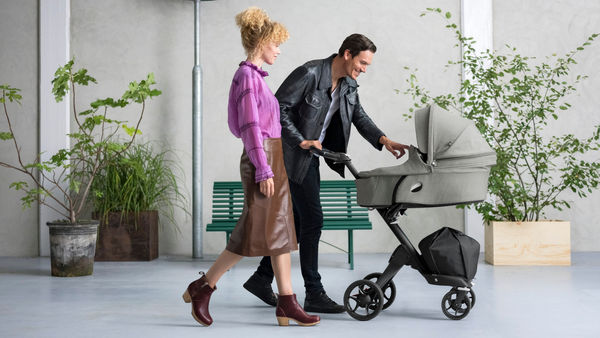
x: 451, y: 169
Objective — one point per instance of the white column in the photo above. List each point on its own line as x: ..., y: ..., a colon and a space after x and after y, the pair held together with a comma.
x: 54, y: 117
x: 477, y: 22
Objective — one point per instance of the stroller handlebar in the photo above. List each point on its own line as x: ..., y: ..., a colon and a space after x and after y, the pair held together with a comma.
x: 336, y: 158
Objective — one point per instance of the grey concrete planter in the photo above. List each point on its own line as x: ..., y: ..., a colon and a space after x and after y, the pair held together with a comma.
x: 72, y: 248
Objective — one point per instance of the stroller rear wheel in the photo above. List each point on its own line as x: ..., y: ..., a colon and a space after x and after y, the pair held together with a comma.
x: 454, y: 308
x: 363, y: 300
x: 389, y: 290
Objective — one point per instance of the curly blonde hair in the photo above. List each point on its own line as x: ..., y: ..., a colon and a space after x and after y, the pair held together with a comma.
x: 258, y: 30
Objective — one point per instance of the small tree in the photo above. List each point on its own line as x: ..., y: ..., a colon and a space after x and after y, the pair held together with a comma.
x: 92, y: 139
x: 532, y: 169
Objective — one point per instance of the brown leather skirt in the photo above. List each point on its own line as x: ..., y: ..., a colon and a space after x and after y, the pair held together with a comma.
x: 266, y: 226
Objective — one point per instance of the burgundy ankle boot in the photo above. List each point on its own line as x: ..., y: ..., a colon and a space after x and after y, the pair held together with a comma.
x: 198, y: 293
x: 288, y: 308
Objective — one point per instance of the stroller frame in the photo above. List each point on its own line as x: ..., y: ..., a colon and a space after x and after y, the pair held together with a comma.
x: 369, y: 296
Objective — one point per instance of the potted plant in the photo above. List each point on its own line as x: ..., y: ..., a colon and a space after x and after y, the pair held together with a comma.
x: 512, y: 103
x: 73, y: 240
x: 127, y: 195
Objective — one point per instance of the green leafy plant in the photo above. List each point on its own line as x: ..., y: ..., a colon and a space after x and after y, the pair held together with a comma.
x: 60, y: 177
x: 142, y: 178
x: 511, y: 103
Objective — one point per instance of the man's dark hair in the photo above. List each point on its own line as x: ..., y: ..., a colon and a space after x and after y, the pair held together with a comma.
x: 356, y: 43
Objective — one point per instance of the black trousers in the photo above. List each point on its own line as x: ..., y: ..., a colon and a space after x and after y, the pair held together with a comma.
x: 308, y: 217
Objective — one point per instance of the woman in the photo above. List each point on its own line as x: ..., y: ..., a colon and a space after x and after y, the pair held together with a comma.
x: 266, y: 226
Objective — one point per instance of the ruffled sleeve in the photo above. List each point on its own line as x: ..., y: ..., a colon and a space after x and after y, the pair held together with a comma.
x: 249, y: 127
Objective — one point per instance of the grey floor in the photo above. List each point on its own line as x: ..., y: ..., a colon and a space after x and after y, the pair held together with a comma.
x: 144, y: 300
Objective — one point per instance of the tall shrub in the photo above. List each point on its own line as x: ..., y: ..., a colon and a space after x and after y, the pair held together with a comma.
x: 512, y: 102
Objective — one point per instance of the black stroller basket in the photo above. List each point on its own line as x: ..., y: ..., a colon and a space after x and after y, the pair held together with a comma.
x: 453, y: 169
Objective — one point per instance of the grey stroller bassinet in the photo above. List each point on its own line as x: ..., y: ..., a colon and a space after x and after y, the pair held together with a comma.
x: 450, y: 166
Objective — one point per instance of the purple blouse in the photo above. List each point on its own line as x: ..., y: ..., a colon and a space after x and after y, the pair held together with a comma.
x: 253, y: 115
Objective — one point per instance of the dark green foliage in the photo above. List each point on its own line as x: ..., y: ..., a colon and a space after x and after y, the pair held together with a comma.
x: 511, y: 103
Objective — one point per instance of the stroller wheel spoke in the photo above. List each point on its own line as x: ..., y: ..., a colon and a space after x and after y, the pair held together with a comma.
x: 356, y: 304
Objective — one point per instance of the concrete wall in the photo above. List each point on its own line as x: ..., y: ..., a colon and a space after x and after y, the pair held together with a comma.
x: 19, y: 68
x: 119, y: 41
x: 542, y: 28
x: 403, y: 39
x: 123, y: 40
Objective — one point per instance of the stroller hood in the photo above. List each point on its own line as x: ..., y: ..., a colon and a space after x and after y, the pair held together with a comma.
x: 450, y: 166
x: 442, y: 135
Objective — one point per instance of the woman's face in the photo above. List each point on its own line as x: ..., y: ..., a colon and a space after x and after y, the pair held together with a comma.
x: 270, y: 52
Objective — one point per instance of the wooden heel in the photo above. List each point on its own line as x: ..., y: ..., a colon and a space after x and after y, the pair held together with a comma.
x: 283, y: 321
x: 186, y: 297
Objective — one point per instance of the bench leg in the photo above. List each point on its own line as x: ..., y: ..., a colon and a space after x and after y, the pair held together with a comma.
x: 227, y: 234
x: 351, y: 249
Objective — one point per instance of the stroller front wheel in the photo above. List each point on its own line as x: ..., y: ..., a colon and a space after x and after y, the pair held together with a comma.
x: 454, y: 308
x: 363, y: 300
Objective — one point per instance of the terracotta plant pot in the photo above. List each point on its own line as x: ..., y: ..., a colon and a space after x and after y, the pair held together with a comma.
x: 129, y: 237
x: 528, y: 243
x: 72, y: 248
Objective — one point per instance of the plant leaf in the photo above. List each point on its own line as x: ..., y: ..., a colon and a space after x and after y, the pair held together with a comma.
x: 6, y: 136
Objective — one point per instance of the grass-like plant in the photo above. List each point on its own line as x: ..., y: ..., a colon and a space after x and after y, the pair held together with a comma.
x: 511, y: 103
x: 142, y: 178
x: 60, y: 177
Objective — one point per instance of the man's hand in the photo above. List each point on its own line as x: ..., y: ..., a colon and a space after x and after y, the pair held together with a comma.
x: 306, y: 144
x: 397, y: 149
x: 267, y: 187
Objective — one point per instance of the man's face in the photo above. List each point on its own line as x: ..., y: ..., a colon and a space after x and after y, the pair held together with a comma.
x: 358, y: 64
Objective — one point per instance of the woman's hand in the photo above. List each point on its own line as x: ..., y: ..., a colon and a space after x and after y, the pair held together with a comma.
x: 267, y: 187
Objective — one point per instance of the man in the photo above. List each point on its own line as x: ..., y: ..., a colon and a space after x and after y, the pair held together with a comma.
x: 318, y: 102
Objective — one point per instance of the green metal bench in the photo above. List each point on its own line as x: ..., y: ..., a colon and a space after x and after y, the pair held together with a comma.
x: 338, y: 199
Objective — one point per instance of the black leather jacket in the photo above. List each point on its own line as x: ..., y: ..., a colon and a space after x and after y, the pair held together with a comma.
x: 304, y: 99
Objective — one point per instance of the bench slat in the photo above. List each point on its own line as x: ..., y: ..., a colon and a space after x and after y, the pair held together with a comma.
x: 338, y: 225
x: 329, y: 207
x: 325, y: 216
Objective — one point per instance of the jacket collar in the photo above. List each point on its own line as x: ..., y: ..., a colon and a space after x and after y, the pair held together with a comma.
x: 325, y: 81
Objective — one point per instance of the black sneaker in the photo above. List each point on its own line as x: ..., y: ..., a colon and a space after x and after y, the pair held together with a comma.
x: 321, y: 303
x: 261, y: 289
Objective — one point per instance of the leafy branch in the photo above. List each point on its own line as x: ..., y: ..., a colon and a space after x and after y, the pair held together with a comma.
x: 511, y: 104
x: 62, y: 178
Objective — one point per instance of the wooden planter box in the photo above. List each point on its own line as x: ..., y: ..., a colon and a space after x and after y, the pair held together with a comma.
x: 133, y: 237
x: 528, y: 243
